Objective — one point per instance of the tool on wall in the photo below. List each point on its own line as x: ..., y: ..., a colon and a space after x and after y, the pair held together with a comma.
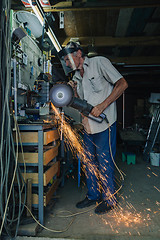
x: 62, y: 95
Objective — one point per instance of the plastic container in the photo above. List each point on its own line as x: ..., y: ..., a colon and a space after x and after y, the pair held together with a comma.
x: 155, y: 159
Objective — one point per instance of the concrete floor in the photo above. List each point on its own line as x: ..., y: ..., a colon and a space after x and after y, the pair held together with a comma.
x: 137, y: 216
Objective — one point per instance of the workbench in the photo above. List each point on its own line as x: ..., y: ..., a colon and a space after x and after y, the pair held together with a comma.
x: 43, y: 137
x: 132, y: 139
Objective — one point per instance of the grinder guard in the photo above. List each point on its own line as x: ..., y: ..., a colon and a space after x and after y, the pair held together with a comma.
x: 61, y: 95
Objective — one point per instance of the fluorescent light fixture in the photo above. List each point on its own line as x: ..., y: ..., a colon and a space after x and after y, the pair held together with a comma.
x: 53, y: 39
x: 50, y: 33
x: 37, y: 12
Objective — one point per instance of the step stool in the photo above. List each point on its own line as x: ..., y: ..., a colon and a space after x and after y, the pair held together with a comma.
x: 130, y: 157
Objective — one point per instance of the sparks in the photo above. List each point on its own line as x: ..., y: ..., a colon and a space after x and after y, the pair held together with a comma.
x: 157, y: 189
x: 154, y: 174
x: 76, y: 145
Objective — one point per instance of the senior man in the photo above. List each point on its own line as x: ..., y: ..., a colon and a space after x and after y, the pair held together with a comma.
x: 98, y: 82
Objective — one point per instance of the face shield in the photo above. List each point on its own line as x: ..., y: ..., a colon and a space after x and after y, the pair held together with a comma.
x: 65, y: 56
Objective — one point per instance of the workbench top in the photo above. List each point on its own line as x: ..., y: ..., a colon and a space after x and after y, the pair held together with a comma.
x: 132, y: 136
x: 36, y: 126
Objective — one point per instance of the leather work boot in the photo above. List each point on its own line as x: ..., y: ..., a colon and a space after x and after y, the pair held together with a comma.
x: 85, y: 203
x: 103, y: 207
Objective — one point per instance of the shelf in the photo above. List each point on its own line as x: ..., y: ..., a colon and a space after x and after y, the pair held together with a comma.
x: 40, y: 152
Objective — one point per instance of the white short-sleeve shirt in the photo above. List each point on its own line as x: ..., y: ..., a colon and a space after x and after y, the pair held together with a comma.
x: 95, y: 86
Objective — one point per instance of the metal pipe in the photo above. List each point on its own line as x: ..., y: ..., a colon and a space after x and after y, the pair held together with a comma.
x: 123, y: 109
x: 15, y: 87
x: 19, y: 73
x: 141, y: 65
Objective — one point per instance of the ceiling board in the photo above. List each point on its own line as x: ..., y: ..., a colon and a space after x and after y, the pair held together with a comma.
x: 117, y: 28
x: 111, y: 22
x: 123, y: 21
x: 119, y: 41
x: 70, y: 24
x: 101, y: 5
x: 138, y: 21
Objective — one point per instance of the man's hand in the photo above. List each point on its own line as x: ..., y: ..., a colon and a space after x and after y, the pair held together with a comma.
x: 119, y: 88
x: 97, y: 110
x: 73, y: 84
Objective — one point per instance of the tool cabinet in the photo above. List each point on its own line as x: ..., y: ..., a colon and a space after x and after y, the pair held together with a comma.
x: 40, y: 144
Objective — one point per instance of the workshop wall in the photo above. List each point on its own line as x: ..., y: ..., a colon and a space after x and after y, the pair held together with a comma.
x: 28, y: 56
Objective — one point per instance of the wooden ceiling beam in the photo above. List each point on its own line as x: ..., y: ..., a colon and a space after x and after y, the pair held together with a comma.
x: 117, y: 41
x: 136, y: 60
x: 139, y: 60
x: 88, y: 6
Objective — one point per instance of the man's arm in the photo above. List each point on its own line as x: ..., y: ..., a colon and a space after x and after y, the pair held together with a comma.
x: 118, y: 89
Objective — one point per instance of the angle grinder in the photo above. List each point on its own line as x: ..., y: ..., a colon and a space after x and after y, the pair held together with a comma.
x: 62, y: 95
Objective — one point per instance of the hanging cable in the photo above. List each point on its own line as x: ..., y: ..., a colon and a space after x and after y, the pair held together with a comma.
x: 11, y: 207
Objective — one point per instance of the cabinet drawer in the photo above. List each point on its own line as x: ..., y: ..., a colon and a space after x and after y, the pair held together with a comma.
x: 47, y: 176
x: 32, y: 137
x: 32, y: 157
x: 50, y: 136
x: 48, y: 195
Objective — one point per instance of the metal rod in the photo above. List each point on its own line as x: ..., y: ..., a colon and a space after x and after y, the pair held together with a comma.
x: 15, y: 87
x: 40, y: 177
x: 123, y: 108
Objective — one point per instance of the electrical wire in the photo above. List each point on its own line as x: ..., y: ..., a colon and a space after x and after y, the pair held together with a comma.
x: 48, y: 229
x: 5, y: 89
x: 13, y: 178
x: 110, y: 147
x: 11, y: 207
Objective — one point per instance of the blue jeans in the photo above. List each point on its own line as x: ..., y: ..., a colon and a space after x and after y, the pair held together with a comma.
x: 99, y: 167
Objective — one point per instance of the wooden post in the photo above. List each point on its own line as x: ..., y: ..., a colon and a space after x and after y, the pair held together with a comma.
x: 29, y: 195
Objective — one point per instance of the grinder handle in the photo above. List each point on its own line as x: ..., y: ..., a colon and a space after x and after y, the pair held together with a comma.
x: 102, y: 115
x: 99, y: 119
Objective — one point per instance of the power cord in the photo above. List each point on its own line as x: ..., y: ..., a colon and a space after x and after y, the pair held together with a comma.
x: 120, y: 172
x: 8, y: 161
x: 12, y: 182
x: 48, y: 229
x: 14, y: 174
